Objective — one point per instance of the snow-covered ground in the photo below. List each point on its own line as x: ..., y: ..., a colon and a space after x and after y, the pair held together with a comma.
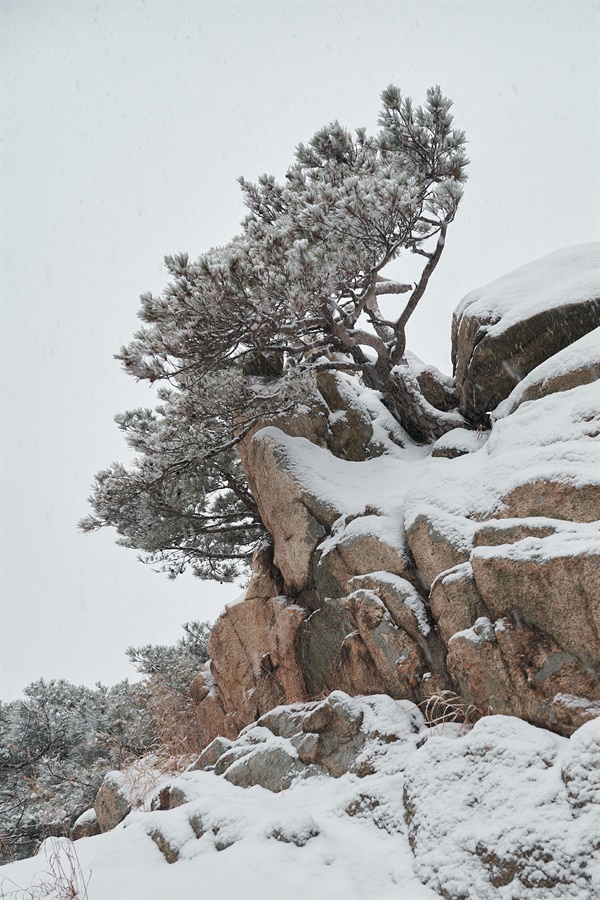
x: 504, y: 811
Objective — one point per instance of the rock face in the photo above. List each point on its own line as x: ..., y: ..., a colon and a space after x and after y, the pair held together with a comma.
x: 471, y: 565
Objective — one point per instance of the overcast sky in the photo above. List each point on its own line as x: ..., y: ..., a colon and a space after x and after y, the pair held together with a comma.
x: 125, y: 126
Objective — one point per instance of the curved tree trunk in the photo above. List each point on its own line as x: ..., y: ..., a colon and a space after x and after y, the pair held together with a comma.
x: 404, y: 397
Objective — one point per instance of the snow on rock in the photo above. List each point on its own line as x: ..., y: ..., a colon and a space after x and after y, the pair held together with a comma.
x: 563, y: 278
x: 459, y: 442
x: 504, y: 330
x: 505, y: 811
x: 579, y: 363
x: 85, y: 825
x: 552, y: 441
x: 490, y: 815
x: 303, y: 489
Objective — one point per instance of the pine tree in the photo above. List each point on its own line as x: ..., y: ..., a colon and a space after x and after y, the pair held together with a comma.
x: 237, y: 336
x: 58, y: 743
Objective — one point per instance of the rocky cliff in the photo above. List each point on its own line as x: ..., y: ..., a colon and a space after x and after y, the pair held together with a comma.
x: 471, y: 565
x: 406, y: 699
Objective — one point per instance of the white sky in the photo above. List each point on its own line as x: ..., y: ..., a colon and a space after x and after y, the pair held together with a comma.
x: 125, y: 125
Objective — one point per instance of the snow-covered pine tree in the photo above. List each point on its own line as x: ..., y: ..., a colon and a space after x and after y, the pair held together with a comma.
x: 58, y: 743
x: 238, y: 335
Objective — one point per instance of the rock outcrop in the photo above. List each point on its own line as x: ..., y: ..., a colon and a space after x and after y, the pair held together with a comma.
x: 471, y: 565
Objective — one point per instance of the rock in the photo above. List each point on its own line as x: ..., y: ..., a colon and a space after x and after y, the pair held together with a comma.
x: 548, y: 498
x: 168, y: 850
x: 438, y: 389
x: 459, y: 442
x: 272, y: 767
x: 359, y: 674
x: 198, y: 825
x: 495, y: 532
x: 285, y: 721
x: 332, y: 416
x: 438, y: 542
x: 365, y: 545
x: 337, y: 643
x: 254, y: 663
x: 333, y: 738
x: 265, y: 580
x: 336, y: 716
x: 211, y: 754
x: 87, y: 825
x: 503, y: 331
x: 350, y: 431
x: 246, y: 743
x: 321, y: 644
x: 287, y: 506
x: 112, y: 802
x: 455, y: 601
x: 297, y: 832
x: 402, y: 600
x: 169, y: 797
x: 512, y: 668
x: 552, y: 583
x: 488, y: 817
x: 397, y: 656
x: 577, y: 364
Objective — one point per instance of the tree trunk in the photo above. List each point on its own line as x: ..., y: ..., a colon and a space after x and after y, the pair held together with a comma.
x: 402, y: 395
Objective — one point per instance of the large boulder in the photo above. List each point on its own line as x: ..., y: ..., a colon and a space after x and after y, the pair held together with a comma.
x: 552, y: 582
x: 502, y: 331
x: 292, y: 508
x: 510, y: 667
x: 578, y: 363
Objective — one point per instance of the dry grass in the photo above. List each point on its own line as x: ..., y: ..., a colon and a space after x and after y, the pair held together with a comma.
x: 447, y: 707
x: 176, y: 725
x: 62, y: 879
x: 178, y: 742
x: 5, y: 851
